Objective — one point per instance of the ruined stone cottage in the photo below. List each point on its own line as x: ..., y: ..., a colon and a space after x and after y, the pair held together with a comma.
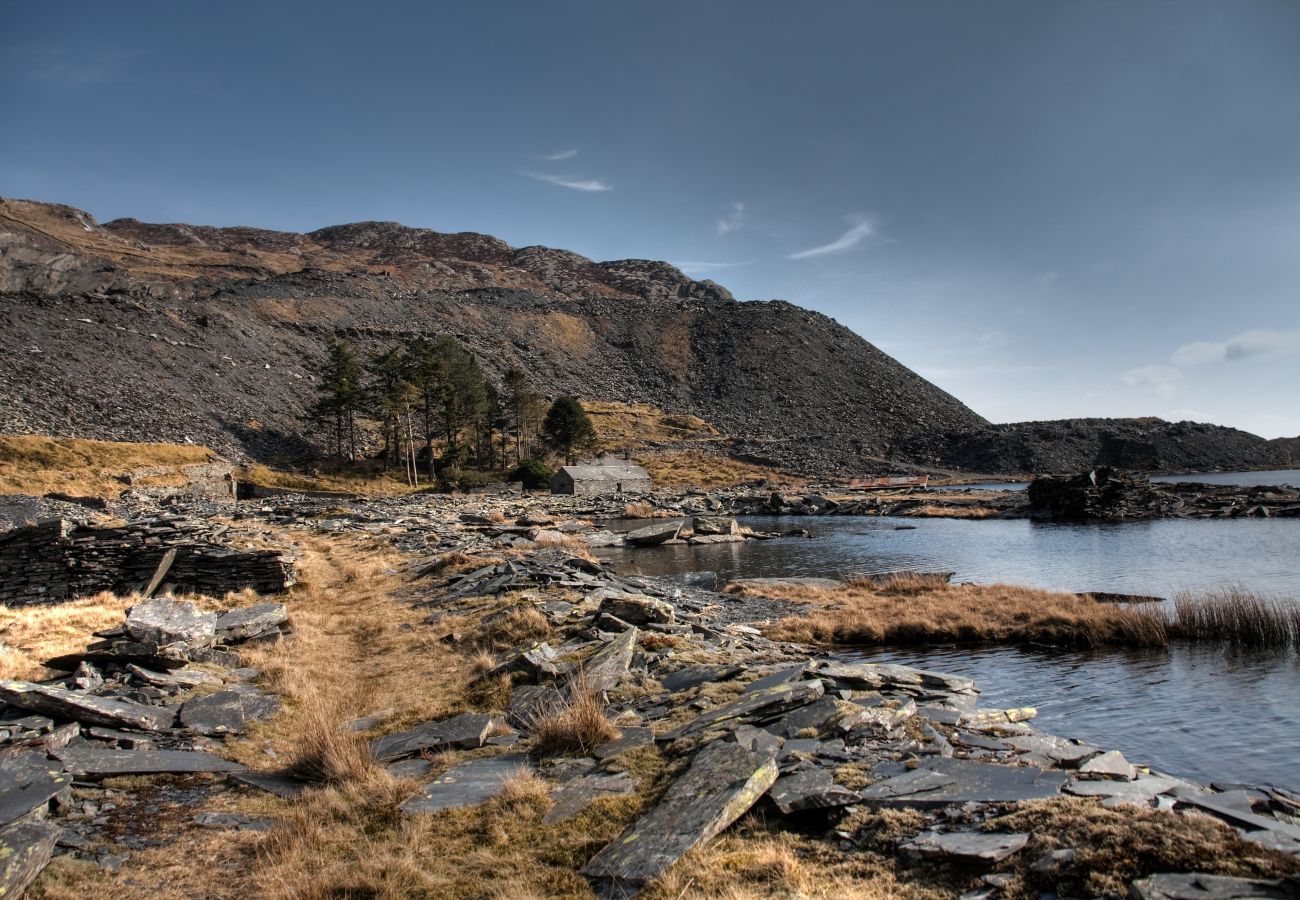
x: 604, y: 476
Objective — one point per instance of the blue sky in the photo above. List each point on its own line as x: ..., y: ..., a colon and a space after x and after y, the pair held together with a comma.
x: 1050, y: 209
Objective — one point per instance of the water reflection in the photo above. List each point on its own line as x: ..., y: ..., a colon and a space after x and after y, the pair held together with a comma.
x: 1159, y: 557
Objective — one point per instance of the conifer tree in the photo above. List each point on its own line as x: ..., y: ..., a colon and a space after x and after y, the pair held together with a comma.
x: 567, y: 428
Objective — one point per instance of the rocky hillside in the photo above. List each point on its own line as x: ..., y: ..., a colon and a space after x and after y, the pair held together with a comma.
x: 1290, y: 447
x: 127, y: 330
x: 1075, y: 445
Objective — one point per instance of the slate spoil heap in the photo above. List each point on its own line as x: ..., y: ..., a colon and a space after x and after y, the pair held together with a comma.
x: 1106, y: 494
x: 58, y: 559
x: 155, y: 696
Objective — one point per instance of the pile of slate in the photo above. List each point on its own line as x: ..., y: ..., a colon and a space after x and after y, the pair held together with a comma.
x: 151, y: 697
x: 1106, y: 494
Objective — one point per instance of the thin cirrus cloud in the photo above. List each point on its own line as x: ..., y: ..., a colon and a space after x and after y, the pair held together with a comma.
x: 862, y: 228
x: 571, y: 182
x: 1243, y: 346
x: 734, y: 220
x: 559, y: 155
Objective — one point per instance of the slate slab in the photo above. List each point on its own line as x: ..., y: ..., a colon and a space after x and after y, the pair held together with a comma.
x: 724, y: 781
x: 280, y: 785
x: 1208, y: 887
x: 466, y: 731
x: 27, y: 781
x: 25, y: 850
x: 693, y: 676
x: 760, y: 705
x: 877, y: 675
x: 940, y: 781
x: 631, y: 738
x: 809, y: 789
x: 1109, y: 765
x: 245, y: 622
x: 636, y: 609
x: 162, y: 621
x: 1212, y: 804
x: 1066, y: 753
x: 654, y: 534
x: 530, y: 702
x: 467, y: 784
x: 1141, y: 790
x: 964, y: 846
x: 228, y: 712
x: 91, y: 761
x: 90, y: 710
x: 604, y: 669
x: 180, y: 678
x: 577, y: 794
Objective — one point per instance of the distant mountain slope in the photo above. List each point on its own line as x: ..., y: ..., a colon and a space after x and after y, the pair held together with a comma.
x: 1290, y: 447
x: 1075, y: 445
x: 167, y: 332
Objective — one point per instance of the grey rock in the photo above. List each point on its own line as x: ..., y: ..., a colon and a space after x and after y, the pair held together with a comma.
x: 637, y: 609
x: 530, y: 702
x: 162, y: 621
x: 233, y: 821
x: 577, y: 794
x: 1110, y: 765
x: 409, y: 768
x: 809, y: 789
x: 86, y: 760
x: 228, y: 712
x: 237, y: 624
x: 724, y: 781
x: 766, y: 704
x: 280, y: 785
x: 693, y: 676
x: 720, y: 525
x: 1066, y: 753
x: 466, y: 731
x: 781, y: 676
x: 85, y: 708
x: 180, y: 678
x: 604, y: 669
x: 27, y: 781
x: 655, y: 534
x: 965, y: 846
x: 813, y: 717
x: 467, y: 784
x: 25, y: 850
x: 365, y: 723
x: 1194, y: 886
x: 941, y: 781
x: 1140, y: 791
x: 1212, y: 804
x: 632, y: 738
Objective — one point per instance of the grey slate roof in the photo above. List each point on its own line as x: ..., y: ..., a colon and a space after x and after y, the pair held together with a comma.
x: 613, y: 471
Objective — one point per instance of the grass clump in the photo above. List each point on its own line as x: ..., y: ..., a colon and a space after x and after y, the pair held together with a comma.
x: 578, y: 726
x: 1238, y: 616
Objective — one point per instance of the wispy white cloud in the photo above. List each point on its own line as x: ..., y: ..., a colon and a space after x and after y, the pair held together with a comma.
x: 732, y: 221
x: 571, y: 182
x: 1244, y: 346
x: 559, y: 155
x: 703, y: 268
x: 862, y: 228
x: 1161, y: 379
x: 1047, y: 279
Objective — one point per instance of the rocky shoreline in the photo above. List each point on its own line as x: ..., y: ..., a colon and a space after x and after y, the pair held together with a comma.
x: 737, y: 722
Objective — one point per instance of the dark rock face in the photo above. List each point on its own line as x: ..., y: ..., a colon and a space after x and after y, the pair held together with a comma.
x: 1290, y: 448
x: 226, y: 327
x: 1073, y: 445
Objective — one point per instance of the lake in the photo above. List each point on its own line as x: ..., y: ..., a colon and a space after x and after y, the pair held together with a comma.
x: 1244, y: 479
x: 1204, y: 712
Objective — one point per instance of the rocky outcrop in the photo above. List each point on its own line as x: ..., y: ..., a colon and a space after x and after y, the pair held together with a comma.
x: 1073, y: 445
x: 1106, y: 494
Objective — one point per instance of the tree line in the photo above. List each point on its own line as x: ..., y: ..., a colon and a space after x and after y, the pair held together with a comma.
x: 430, y: 390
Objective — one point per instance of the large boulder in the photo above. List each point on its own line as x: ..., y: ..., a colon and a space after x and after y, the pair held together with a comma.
x: 162, y: 622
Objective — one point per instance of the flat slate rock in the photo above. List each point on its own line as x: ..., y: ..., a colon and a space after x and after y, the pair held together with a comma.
x: 228, y: 712
x: 964, y: 846
x: 247, y: 621
x: 940, y: 781
x: 467, y: 731
x: 409, y: 768
x: 781, y: 676
x: 809, y: 789
x: 655, y: 534
x: 1142, y: 790
x: 530, y: 702
x: 723, y: 782
x: 1195, y: 886
x: 25, y: 850
x: 85, y: 708
x: 92, y: 761
x: 632, y: 737
x: 467, y: 784
x: 694, y: 676
x: 1063, y: 752
x: 27, y: 781
x: 280, y: 785
x: 878, y: 675
x: 765, y: 704
x: 162, y: 621
x: 575, y: 795
x: 1110, y: 765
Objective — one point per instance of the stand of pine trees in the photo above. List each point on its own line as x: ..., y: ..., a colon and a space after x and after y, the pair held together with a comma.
x: 431, y: 390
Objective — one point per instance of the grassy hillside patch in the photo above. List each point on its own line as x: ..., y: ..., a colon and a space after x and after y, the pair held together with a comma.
x: 34, y: 464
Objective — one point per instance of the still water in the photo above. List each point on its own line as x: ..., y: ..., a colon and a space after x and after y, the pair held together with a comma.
x: 1245, y: 479
x: 1159, y: 557
x: 1203, y: 712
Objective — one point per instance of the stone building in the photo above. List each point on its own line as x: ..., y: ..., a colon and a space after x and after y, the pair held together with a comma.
x: 604, y: 476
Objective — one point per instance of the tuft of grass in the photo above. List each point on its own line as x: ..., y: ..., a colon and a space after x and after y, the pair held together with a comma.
x: 325, y: 753
x: 578, y: 726
x: 1237, y: 616
x: 639, y: 509
x: 520, y: 625
x: 481, y: 663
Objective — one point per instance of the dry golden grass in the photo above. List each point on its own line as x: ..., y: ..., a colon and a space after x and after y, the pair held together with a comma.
x: 1238, y: 616
x: 510, y: 628
x: 34, y: 464
x: 917, y: 611
x: 699, y: 468
x: 640, y: 509
x: 366, y: 483
x: 1115, y: 846
x: 30, y: 634
x: 635, y: 425
x: 457, y: 563
x: 579, y: 726
x: 325, y: 752
x: 952, y: 511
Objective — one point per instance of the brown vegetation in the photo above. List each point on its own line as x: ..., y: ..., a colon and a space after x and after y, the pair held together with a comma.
x: 579, y: 726
x: 916, y: 608
x: 30, y: 634
x: 34, y: 464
